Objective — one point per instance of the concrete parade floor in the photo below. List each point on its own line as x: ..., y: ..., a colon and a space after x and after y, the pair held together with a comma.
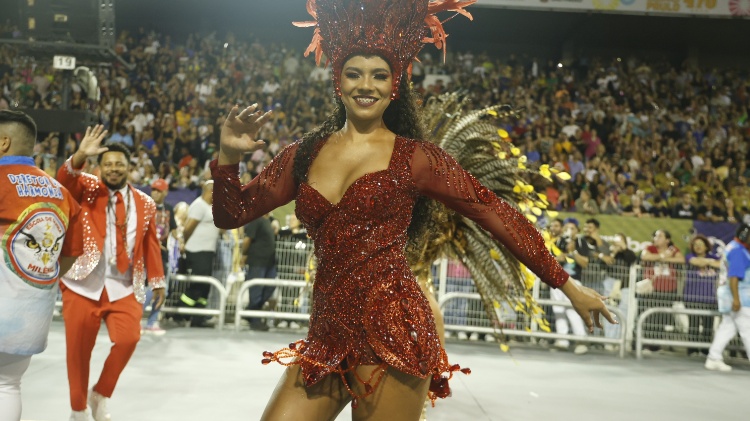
x: 203, y: 374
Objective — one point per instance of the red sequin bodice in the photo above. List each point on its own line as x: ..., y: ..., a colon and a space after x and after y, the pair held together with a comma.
x: 367, y: 306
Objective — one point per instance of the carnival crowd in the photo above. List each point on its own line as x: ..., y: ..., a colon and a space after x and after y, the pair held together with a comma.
x: 638, y: 138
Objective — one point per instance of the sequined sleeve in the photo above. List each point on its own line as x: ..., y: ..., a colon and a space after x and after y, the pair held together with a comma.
x: 73, y: 179
x: 235, y: 205
x: 437, y: 175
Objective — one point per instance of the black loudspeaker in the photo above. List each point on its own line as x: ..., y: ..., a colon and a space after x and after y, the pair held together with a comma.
x: 72, y: 121
x: 76, y: 21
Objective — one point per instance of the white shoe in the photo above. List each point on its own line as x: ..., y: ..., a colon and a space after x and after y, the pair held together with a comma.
x: 462, y: 336
x: 717, y: 365
x: 489, y: 338
x: 474, y: 336
x: 155, y: 330
x: 98, y: 404
x: 282, y: 324
x: 578, y: 350
x: 294, y: 325
x: 79, y: 416
x: 562, y: 344
x: 611, y: 347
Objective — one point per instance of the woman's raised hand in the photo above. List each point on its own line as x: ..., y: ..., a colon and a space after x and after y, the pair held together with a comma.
x: 239, y: 131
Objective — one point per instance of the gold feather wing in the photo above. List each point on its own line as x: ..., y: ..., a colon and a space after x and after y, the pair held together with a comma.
x: 481, y: 148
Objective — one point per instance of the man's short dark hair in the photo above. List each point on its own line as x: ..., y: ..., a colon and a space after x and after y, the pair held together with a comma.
x: 743, y: 233
x: 559, y: 220
x: 115, y: 147
x: 19, y: 117
x: 593, y: 221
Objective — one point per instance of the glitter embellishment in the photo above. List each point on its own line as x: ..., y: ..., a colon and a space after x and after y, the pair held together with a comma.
x: 368, y: 308
x: 235, y: 204
x: 87, y: 188
x: 393, y: 29
x: 438, y: 175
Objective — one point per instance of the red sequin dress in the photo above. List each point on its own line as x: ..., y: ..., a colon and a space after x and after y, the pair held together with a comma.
x: 368, y: 308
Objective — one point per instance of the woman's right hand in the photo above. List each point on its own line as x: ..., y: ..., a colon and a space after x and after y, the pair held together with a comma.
x: 238, y: 133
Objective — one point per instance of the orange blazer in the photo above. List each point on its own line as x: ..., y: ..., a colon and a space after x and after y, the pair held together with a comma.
x: 93, y: 196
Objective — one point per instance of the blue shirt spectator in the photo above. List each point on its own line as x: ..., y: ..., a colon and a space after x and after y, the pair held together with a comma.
x: 576, y: 165
x: 122, y: 136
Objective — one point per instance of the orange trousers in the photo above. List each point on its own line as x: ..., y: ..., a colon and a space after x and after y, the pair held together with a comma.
x: 83, y: 317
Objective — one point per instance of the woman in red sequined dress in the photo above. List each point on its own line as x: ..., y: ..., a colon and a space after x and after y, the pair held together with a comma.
x: 359, y: 181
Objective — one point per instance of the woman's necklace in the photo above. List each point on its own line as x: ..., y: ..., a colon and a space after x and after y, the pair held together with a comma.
x: 122, y: 227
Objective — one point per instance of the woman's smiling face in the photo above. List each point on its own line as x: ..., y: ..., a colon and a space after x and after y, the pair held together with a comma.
x: 366, y: 87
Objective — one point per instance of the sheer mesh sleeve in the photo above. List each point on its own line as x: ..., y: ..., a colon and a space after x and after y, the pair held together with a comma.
x: 235, y: 205
x: 437, y: 175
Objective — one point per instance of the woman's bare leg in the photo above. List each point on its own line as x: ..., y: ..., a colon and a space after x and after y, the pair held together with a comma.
x: 428, y: 289
x: 439, y: 323
x: 293, y: 401
x: 398, y: 397
x: 425, y: 283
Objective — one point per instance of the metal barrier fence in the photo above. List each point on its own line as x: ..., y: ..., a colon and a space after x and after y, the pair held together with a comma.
x: 292, y: 256
x: 217, y: 301
x: 275, y: 313
x: 671, y: 305
x: 675, y: 340
x: 465, y: 313
x: 676, y: 306
x: 525, y: 327
x: 668, y: 305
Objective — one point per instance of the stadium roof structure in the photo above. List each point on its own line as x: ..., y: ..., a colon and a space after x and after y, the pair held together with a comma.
x: 84, y: 53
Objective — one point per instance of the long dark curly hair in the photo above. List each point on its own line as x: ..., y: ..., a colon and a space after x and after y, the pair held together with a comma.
x: 402, y: 117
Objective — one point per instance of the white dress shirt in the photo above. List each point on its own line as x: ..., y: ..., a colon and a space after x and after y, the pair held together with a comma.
x: 105, y: 275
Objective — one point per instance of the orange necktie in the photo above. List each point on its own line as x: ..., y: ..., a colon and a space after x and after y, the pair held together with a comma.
x: 123, y: 263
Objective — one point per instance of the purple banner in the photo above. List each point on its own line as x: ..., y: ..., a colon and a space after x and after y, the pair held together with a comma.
x: 720, y: 233
x: 175, y: 196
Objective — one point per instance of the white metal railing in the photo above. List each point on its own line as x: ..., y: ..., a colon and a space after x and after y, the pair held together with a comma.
x: 532, y: 332
x: 239, y: 313
x: 220, y: 312
x: 662, y: 319
x: 641, y: 340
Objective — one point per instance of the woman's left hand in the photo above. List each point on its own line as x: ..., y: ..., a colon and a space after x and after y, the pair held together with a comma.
x: 588, y: 303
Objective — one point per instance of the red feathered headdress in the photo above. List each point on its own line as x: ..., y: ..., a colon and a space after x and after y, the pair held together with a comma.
x: 393, y: 29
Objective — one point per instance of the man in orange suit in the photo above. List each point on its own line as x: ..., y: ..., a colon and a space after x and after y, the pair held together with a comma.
x: 121, y: 252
